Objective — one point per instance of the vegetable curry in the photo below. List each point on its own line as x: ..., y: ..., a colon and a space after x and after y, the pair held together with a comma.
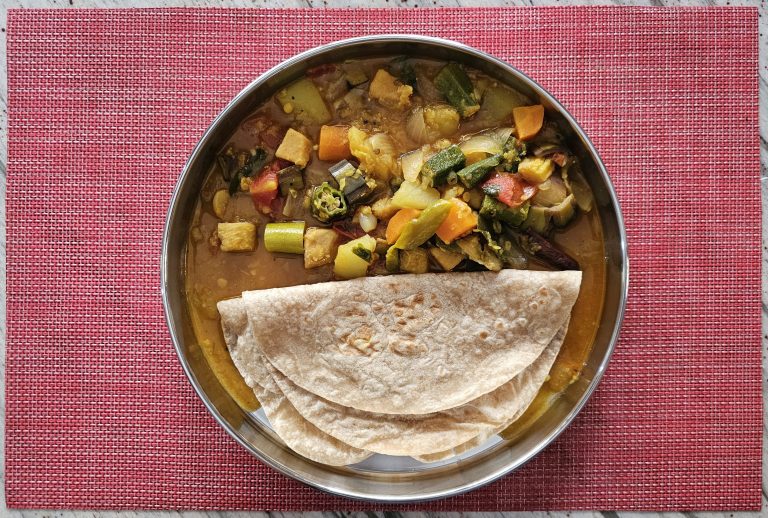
x: 387, y: 166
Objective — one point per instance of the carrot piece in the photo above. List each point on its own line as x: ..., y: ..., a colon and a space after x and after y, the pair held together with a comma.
x: 528, y: 120
x: 334, y: 144
x: 398, y: 222
x: 460, y: 220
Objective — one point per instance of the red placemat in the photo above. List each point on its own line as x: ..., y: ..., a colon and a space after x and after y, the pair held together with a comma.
x: 105, y: 106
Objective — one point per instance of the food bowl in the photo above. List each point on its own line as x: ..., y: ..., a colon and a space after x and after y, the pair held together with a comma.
x: 397, y: 481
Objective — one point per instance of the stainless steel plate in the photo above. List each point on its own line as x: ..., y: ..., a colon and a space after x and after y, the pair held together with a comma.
x: 382, y: 478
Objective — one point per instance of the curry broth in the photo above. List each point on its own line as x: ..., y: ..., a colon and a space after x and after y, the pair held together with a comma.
x: 212, y: 275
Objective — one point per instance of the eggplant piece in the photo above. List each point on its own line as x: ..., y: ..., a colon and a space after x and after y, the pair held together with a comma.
x: 290, y: 179
x: 352, y: 182
x: 539, y: 247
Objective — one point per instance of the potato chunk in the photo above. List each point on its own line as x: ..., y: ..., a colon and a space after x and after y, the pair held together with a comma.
x: 320, y: 246
x: 295, y: 148
x: 536, y: 170
x: 447, y: 260
x: 237, y: 237
x: 390, y: 92
x: 414, y: 260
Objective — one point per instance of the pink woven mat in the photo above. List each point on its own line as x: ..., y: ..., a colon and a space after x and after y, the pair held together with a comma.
x: 105, y: 106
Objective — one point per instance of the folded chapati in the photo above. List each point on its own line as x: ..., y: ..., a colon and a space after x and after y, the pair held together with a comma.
x: 299, y: 434
x: 410, y: 344
x: 435, y: 433
x: 526, y: 384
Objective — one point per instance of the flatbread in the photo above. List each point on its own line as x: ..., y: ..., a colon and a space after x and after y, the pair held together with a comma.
x: 411, y: 344
x: 424, y: 434
x: 528, y: 383
x: 297, y: 433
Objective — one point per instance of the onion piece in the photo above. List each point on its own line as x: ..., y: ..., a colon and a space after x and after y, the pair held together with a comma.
x: 411, y: 163
x: 366, y: 219
x: 481, y: 144
x: 503, y: 134
x: 576, y: 183
x: 551, y: 192
x: 416, y: 127
x: 382, y: 144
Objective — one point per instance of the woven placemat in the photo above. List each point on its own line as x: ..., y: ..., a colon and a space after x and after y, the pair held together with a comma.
x: 104, y: 108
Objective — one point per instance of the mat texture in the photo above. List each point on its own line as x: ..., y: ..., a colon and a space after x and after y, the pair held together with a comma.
x: 105, y: 106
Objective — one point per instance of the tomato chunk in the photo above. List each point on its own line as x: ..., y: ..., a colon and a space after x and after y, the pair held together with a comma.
x: 264, y: 187
x: 509, y: 189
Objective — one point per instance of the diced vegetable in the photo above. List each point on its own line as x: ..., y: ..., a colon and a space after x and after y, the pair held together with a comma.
x: 445, y: 258
x: 237, y: 237
x: 392, y: 260
x: 479, y: 252
x: 327, y: 203
x: 354, y: 74
x: 264, y: 189
x: 414, y: 260
x: 303, y: 99
x: 377, y: 153
x: 538, y: 219
x: 295, y: 148
x: 509, y: 189
x: 482, y: 145
x: 390, y: 92
x: 349, y: 262
x: 550, y: 193
x: 498, y: 103
x: 413, y: 196
x: 334, y: 143
x: 253, y: 163
x: 454, y: 83
x: 383, y: 208
x: 536, y: 170
x: 352, y: 182
x: 476, y: 173
x: 290, y: 180
x: 459, y: 221
x: 365, y: 218
x: 514, y: 216
x: 576, y: 183
x: 425, y: 125
x: 528, y: 120
x: 439, y: 166
x: 442, y: 120
x: 398, y: 222
x: 563, y: 212
x: 417, y: 231
x: 411, y: 163
x: 285, y: 237
x: 220, y: 202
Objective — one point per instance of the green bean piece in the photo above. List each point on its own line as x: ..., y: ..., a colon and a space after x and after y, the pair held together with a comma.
x: 440, y: 165
x: 417, y: 231
x: 285, y: 237
x: 476, y: 173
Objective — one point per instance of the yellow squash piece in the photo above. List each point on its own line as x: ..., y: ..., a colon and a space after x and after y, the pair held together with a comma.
x: 237, y: 237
